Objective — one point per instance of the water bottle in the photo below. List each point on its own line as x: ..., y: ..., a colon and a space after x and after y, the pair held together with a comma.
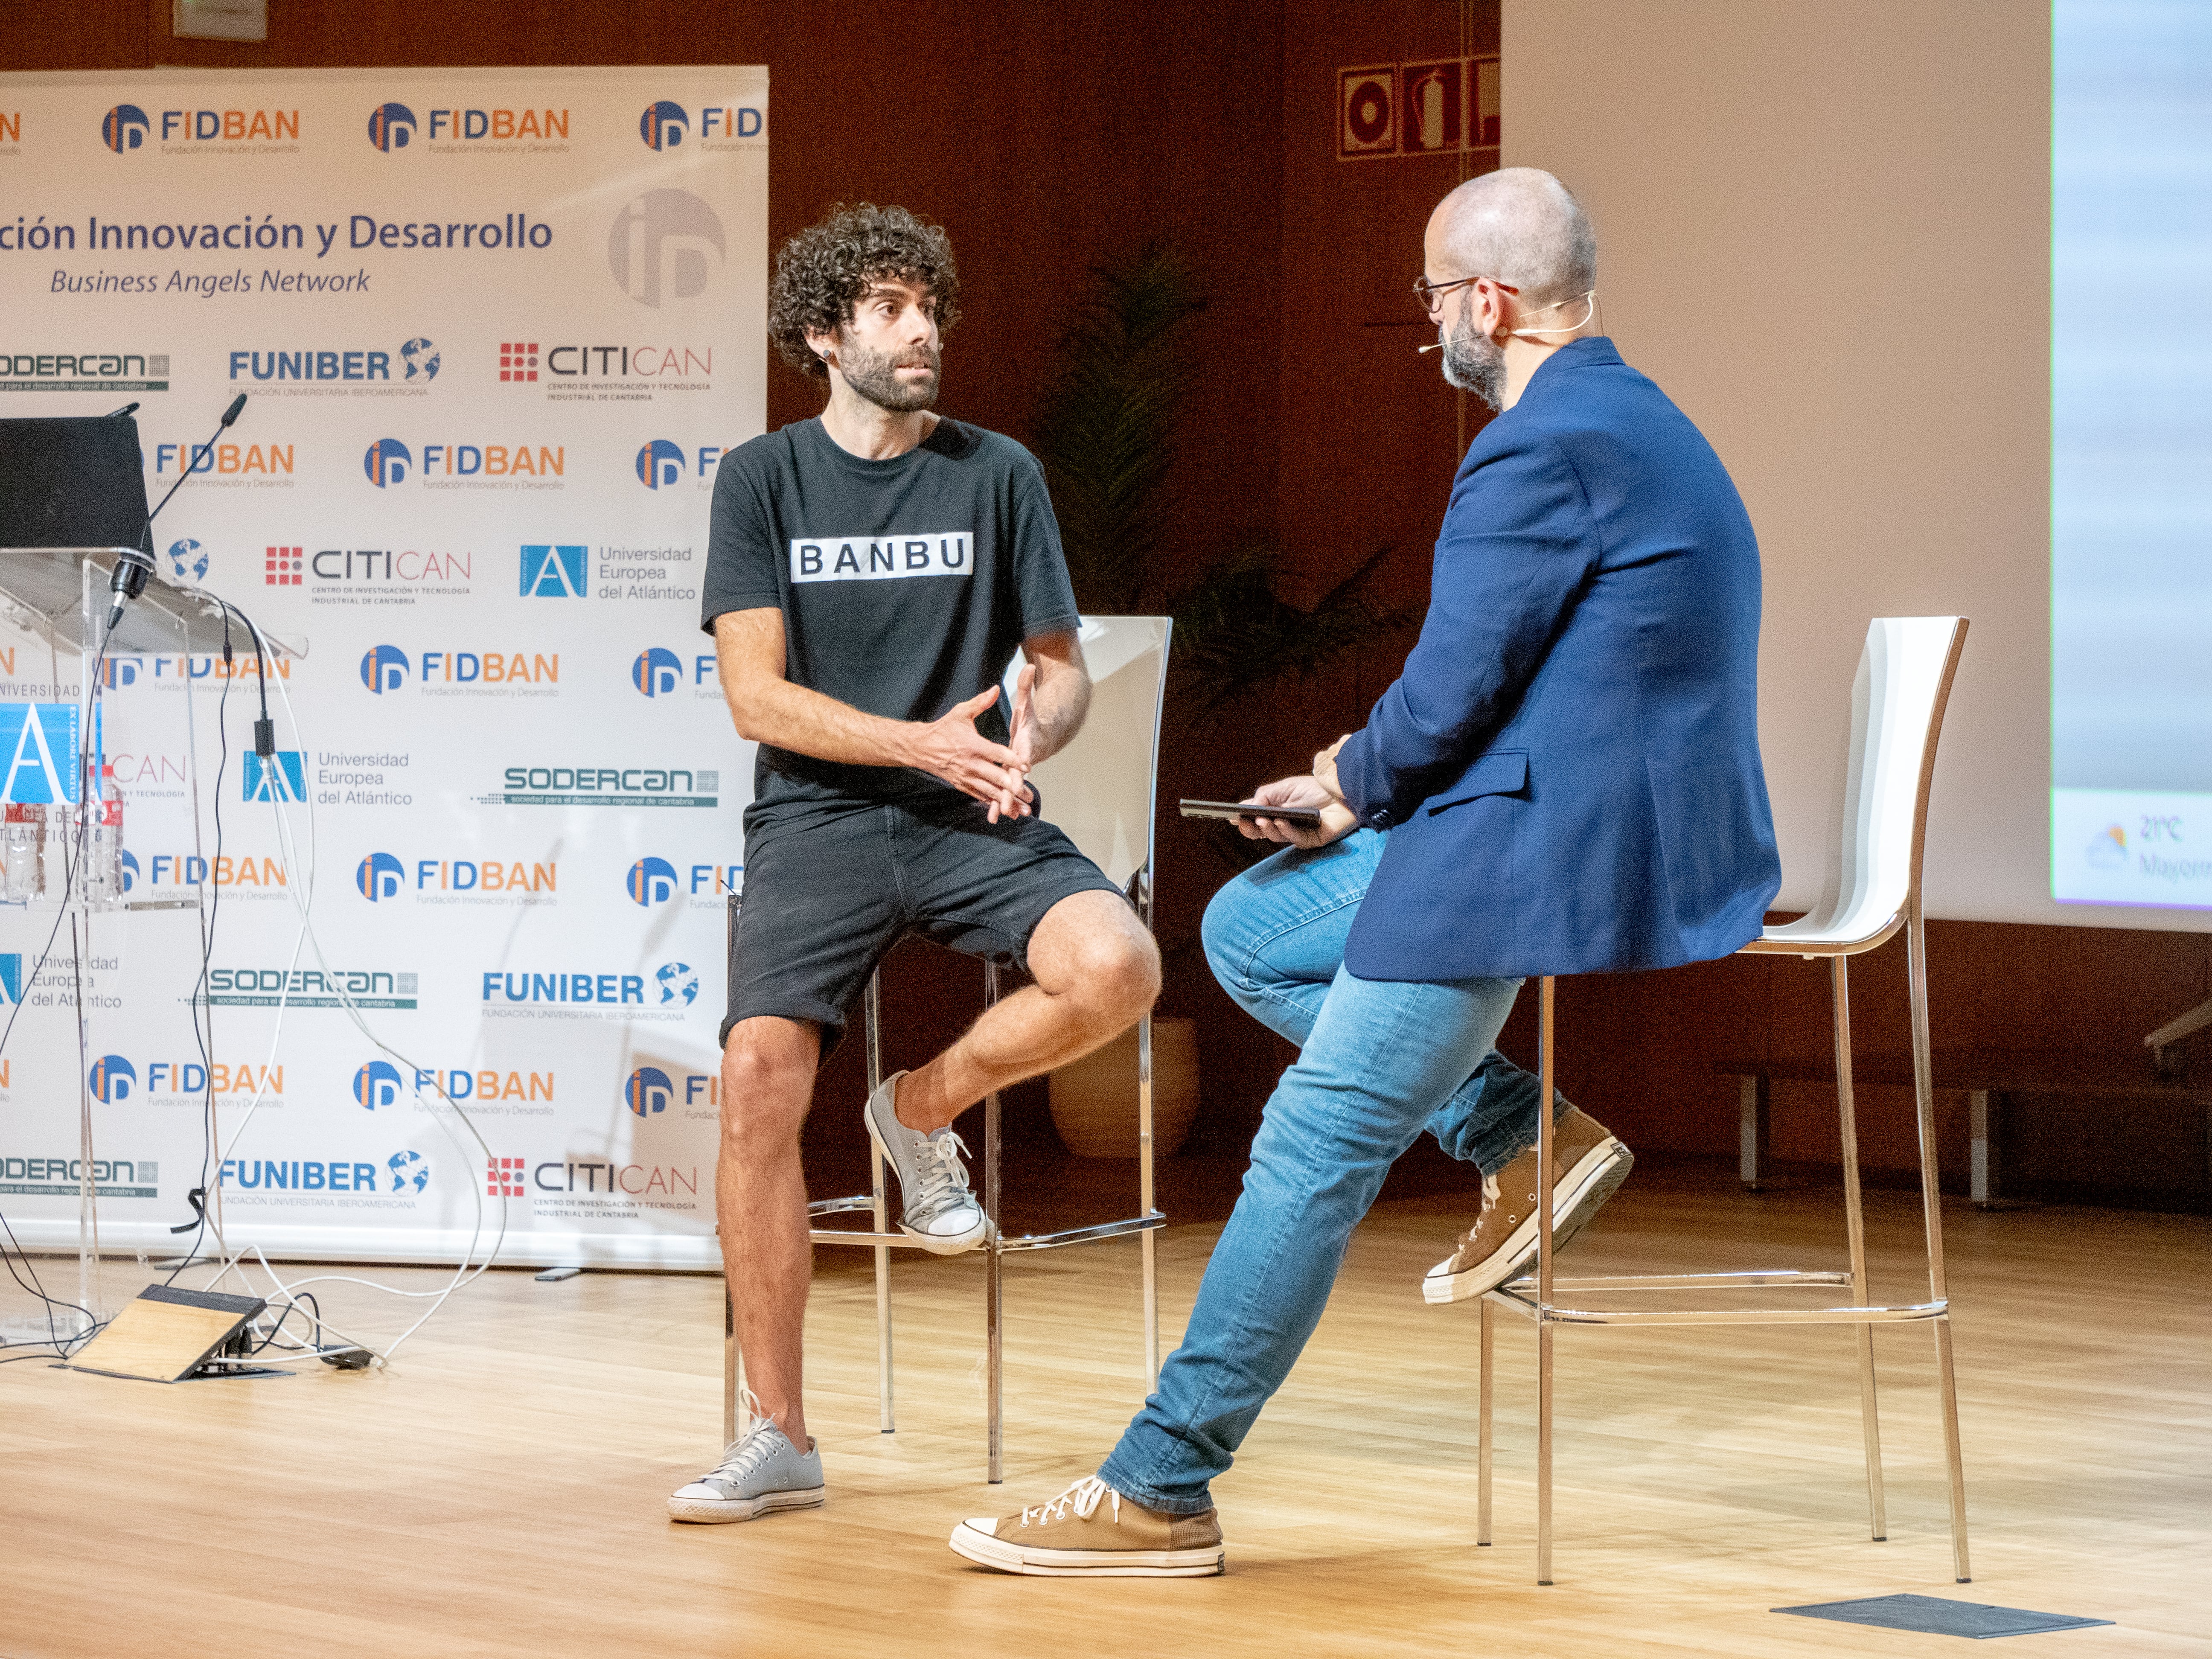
x: 104, y: 866
x: 19, y: 852
x: 55, y: 851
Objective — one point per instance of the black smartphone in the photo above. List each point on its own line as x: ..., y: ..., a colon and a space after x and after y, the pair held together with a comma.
x: 1305, y: 817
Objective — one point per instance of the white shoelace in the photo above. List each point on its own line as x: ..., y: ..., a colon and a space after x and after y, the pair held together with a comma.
x: 1084, y: 1496
x: 757, y: 1446
x: 939, y: 1174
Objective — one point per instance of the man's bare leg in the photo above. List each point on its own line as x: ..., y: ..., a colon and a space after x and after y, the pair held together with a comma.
x: 1095, y: 970
x: 760, y: 1204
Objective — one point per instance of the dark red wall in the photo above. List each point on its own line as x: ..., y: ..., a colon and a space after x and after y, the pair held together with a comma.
x: 1049, y: 138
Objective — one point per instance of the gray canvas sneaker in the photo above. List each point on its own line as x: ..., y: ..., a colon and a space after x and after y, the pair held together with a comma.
x: 761, y: 1473
x: 942, y: 1215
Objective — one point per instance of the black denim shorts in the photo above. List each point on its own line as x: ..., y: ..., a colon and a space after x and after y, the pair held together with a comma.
x: 821, y: 905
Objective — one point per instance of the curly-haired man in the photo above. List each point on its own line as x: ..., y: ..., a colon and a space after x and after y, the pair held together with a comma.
x: 869, y: 575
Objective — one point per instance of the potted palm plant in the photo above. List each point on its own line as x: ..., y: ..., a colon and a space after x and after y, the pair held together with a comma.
x: 1105, y: 433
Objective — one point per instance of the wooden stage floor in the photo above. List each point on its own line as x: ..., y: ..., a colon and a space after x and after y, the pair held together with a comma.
x: 498, y: 1491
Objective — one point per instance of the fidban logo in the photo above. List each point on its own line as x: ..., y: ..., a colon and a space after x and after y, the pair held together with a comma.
x: 881, y: 558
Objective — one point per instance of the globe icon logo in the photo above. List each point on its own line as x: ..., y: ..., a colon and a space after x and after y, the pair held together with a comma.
x: 421, y: 358
x: 678, y: 982
x: 408, y: 1168
x: 189, y: 560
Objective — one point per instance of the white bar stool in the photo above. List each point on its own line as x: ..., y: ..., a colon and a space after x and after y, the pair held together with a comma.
x: 1904, y: 681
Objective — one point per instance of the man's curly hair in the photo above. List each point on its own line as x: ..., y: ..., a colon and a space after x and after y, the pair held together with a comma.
x: 823, y: 271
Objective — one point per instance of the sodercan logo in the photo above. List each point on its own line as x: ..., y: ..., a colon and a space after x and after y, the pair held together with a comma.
x: 665, y: 245
x: 657, y: 673
x: 188, y: 562
x: 651, y: 881
x: 124, y: 128
x: 391, y: 126
x: 384, y: 668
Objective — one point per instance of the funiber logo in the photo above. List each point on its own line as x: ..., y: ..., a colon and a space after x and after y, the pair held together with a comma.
x: 417, y: 358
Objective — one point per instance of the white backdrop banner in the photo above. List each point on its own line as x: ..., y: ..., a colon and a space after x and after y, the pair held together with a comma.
x: 496, y: 327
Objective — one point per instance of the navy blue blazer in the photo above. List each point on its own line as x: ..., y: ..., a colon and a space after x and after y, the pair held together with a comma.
x: 1569, y: 767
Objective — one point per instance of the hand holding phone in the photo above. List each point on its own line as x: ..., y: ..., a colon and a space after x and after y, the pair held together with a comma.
x: 1306, y: 817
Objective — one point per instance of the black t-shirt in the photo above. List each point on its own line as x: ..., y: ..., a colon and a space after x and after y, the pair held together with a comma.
x: 905, y: 585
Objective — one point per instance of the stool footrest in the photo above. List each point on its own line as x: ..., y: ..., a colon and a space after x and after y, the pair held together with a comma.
x: 1524, y: 1303
x: 1774, y: 1279
x: 1143, y: 1223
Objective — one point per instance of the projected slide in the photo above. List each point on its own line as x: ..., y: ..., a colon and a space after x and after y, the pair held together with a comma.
x: 2131, y: 453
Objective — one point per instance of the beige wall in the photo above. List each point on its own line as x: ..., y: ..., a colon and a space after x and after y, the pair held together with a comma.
x: 1824, y: 229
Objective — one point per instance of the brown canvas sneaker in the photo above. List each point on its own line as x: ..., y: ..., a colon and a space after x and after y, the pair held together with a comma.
x: 1091, y: 1531
x: 1589, y: 1164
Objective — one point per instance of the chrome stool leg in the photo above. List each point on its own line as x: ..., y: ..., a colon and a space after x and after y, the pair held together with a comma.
x: 733, y: 1371
x: 994, y: 1291
x: 1854, y: 1231
x: 1931, y: 1201
x: 1484, y: 1444
x: 886, y: 1422
x: 1145, y: 1196
x: 1545, y: 1331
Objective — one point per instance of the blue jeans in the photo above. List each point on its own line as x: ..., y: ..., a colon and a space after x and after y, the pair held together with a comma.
x: 1379, y: 1061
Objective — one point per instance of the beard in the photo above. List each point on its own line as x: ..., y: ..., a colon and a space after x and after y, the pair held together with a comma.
x: 874, y: 376
x: 1474, y: 362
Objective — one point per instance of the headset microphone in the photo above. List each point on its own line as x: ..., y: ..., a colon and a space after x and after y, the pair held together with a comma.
x: 133, y: 564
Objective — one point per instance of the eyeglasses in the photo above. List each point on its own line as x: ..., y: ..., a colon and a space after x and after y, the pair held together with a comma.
x: 1426, y: 291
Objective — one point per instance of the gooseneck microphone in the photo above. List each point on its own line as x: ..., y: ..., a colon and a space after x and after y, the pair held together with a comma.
x: 133, y: 565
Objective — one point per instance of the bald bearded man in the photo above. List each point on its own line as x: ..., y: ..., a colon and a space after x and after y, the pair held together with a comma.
x: 1565, y: 780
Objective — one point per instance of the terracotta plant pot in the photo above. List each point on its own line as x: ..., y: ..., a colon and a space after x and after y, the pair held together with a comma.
x: 1094, y: 1099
